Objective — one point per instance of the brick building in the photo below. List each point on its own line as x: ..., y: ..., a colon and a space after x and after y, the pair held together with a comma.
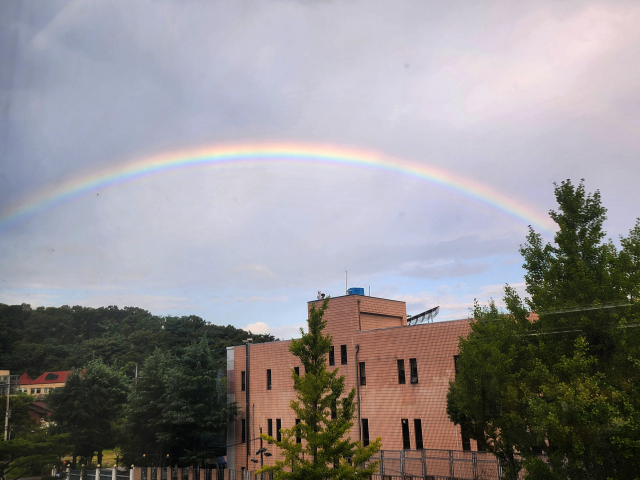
x: 401, y: 373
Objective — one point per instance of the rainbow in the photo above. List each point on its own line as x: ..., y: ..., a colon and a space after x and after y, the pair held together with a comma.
x: 272, y: 153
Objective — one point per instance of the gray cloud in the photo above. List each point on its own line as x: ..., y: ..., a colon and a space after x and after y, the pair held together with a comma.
x: 514, y: 96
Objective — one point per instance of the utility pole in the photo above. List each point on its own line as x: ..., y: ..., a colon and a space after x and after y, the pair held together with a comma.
x: 6, y: 413
x: 248, y: 342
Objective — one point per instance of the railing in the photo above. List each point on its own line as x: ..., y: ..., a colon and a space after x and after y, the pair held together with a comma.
x: 105, y: 474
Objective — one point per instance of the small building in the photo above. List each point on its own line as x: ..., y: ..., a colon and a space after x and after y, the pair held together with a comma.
x: 40, y: 412
x: 401, y: 371
x: 43, y: 384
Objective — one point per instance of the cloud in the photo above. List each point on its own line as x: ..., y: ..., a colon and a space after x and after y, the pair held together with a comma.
x: 444, y: 269
x: 283, y: 332
x: 255, y: 270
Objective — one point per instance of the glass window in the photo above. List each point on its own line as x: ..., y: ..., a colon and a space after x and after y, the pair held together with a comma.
x: 417, y: 426
x: 243, y: 426
x: 365, y: 432
x: 298, y: 439
x: 243, y: 381
x: 343, y: 354
x: 270, y: 427
x: 37, y: 390
x: 401, y: 378
x: 406, y: 441
x: 268, y: 379
x: 278, y: 428
x: 297, y: 370
x: 332, y: 356
x: 414, y: 370
x: 363, y: 374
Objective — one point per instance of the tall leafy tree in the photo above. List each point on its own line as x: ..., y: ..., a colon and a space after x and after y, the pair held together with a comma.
x: 567, y: 383
x: 88, y: 406
x: 194, y: 410
x: 323, y: 452
x: 144, y: 427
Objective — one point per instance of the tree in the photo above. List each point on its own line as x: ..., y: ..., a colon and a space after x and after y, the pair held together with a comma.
x: 29, y: 454
x: 87, y: 407
x: 144, y: 424
x: 568, y: 383
x: 194, y: 410
x: 325, y: 452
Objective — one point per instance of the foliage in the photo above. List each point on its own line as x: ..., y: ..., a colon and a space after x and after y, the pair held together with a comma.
x: 62, y: 338
x: 325, y: 452
x: 87, y: 407
x: 567, y: 384
x: 29, y: 454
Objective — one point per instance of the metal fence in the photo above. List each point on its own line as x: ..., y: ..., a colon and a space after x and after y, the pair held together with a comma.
x: 431, y: 464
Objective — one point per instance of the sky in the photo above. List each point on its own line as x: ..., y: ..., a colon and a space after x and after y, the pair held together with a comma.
x: 451, y: 122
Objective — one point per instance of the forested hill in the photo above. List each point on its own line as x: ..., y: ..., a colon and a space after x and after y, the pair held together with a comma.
x: 62, y: 338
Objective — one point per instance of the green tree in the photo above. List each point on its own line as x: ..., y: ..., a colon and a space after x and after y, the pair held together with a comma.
x: 325, y: 452
x: 28, y: 455
x: 194, y: 410
x: 87, y: 407
x: 144, y: 425
x: 567, y: 384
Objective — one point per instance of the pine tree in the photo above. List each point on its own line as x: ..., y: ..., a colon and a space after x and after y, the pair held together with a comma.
x: 323, y: 452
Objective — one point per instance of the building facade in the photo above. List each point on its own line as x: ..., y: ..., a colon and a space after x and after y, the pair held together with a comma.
x: 401, y: 374
x: 45, y: 383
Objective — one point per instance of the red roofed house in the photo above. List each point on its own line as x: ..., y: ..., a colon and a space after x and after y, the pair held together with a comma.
x: 40, y: 412
x: 44, y: 384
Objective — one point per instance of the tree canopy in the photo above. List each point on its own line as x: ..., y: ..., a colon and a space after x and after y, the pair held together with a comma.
x: 552, y: 384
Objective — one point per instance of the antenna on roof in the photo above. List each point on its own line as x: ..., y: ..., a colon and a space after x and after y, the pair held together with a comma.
x: 346, y: 289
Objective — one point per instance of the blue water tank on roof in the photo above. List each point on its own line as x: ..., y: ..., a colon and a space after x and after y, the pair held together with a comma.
x: 355, y: 291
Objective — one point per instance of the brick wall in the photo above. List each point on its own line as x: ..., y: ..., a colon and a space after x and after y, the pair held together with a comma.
x: 379, y: 327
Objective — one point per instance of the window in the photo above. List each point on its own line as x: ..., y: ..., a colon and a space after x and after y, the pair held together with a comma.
x: 417, y: 426
x: 243, y: 435
x: 268, y: 379
x: 37, y: 390
x: 363, y: 374
x: 365, y: 432
x: 278, y: 428
x: 406, y: 441
x: 33, y: 390
x: 334, y: 409
x: 243, y: 381
x: 455, y: 363
x: 414, y: 370
x: 298, y: 439
x: 297, y: 370
x: 401, y: 378
x: 343, y: 354
x: 51, y: 376
x: 332, y: 356
x: 466, y: 443
x: 270, y: 427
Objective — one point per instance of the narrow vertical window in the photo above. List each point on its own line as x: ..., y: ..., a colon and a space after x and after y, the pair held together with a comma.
x: 417, y: 427
x: 270, y: 427
x: 244, y: 431
x: 278, y: 428
x: 343, y: 354
x: 406, y: 441
x: 298, y: 439
x: 268, y: 379
x: 401, y: 378
x: 466, y: 443
x: 363, y: 374
x: 332, y: 356
x: 455, y: 364
x: 414, y: 370
x: 243, y: 381
x: 334, y: 409
x: 365, y: 432
x: 297, y: 370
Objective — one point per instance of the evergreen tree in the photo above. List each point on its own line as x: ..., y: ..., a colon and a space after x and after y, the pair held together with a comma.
x: 87, y: 407
x: 323, y: 452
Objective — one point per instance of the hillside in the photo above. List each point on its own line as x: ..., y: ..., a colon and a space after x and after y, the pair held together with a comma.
x: 62, y: 338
